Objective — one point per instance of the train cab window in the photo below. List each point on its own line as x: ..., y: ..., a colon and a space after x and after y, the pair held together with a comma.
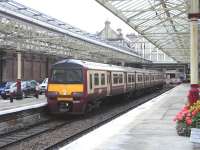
x: 115, y: 78
x: 102, y: 79
x: 96, y: 79
x: 66, y: 76
x: 129, y: 78
x: 120, y: 78
x: 91, y: 81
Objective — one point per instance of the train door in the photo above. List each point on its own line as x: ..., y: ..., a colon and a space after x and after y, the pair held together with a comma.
x: 135, y: 80
x: 90, y: 82
x: 144, y: 80
x: 125, y: 81
x: 108, y: 83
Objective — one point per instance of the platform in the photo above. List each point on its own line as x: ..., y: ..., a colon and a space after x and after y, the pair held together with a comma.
x: 19, y: 105
x: 148, y: 127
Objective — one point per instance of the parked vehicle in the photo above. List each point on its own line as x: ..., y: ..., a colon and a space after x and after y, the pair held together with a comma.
x: 43, y: 86
x: 5, y: 91
x: 2, y: 86
x: 28, y: 88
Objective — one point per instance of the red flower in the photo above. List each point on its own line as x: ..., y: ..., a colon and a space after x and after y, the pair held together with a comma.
x: 179, y: 117
x: 188, y: 114
x: 189, y: 121
x: 188, y: 118
x: 194, y: 113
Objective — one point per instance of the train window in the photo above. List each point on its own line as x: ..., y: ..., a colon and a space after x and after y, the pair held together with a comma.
x: 120, y: 78
x: 147, y: 77
x: 152, y: 77
x: 102, y: 79
x: 115, y: 78
x: 133, y: 78
x: 139, y: 78
x: 125, y: 78
x: 96, y: 79
x: 129, y: 78
x: 90, y: 81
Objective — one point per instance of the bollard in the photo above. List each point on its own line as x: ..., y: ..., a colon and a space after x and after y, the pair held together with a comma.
x: 19, y: 91
x: 11, y: 96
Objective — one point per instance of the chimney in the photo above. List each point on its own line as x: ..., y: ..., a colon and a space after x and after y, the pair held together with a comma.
x: 107, y: 26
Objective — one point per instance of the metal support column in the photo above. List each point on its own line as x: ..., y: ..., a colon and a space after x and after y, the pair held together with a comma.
x: 19, y: 76
x: 19, y: 65
x: 194, y: 52
x: 1, y: 66
x: 194, y: 69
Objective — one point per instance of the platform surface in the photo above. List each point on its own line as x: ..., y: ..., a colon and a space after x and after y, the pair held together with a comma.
x: 148, y: 127
x: 24, y: 104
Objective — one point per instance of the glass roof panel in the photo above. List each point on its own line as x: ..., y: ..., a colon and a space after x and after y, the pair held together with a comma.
x: 162, y: 22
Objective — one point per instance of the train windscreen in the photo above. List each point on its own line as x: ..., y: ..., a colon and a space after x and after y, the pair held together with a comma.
x: 71, y: 76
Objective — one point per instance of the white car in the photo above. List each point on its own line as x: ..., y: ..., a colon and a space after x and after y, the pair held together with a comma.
x: 43, y: 86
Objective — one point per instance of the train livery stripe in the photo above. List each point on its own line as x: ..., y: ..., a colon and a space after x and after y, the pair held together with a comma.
x: 65, y: 89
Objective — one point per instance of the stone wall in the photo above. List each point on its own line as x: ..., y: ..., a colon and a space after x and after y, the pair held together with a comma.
x: 34, y: 66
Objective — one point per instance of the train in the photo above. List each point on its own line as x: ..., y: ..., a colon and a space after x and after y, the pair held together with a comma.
x: 77, y: 86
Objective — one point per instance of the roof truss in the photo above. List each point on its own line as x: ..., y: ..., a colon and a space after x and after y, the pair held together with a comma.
x: 164, y: 23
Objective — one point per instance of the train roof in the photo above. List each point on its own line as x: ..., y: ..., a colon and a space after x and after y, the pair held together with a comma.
x: 101, y: 66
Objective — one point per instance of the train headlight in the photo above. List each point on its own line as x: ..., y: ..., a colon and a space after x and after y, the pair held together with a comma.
x: 77, y: 95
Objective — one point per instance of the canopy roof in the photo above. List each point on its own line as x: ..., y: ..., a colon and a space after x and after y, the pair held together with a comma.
x: 164, y: 23
x: 25, y: 29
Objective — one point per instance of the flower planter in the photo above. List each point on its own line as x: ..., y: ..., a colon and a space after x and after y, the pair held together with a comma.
x: 187, y: 118
x: 182, y: 129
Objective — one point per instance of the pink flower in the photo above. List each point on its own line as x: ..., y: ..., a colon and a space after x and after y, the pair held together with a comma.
x: 188, y: 114
x: 189, y: 121
x: 188, y: 118
x: 194, y: 113
x: 179, y: 117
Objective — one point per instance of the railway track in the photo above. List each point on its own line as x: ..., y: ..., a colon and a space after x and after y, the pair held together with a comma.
x: 29, y: 132
x: 106, y: 120
x: 56, y: 133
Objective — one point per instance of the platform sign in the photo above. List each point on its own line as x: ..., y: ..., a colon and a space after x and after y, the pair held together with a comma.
x: 195, y: 135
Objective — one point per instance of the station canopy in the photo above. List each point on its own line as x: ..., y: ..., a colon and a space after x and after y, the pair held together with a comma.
x: 164, y: 23
x: 28, y: 30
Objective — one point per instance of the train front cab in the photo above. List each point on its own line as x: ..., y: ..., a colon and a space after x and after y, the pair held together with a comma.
x: 66, y: 91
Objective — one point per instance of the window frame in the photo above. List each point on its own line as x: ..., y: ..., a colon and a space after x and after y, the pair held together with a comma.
x: 96, y: 76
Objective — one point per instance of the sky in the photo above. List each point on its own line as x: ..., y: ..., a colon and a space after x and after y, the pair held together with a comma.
x: 87, y: 15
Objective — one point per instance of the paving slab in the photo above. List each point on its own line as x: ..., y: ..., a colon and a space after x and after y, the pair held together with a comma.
x: 18, y: 105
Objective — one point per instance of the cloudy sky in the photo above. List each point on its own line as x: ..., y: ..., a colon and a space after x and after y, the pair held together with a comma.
x: 87, y: 15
